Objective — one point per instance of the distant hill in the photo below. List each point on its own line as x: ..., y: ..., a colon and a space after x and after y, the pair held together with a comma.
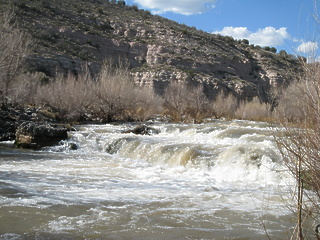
x: 157, y: 50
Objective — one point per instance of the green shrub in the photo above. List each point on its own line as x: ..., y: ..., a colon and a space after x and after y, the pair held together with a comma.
x: 245, y: 41
x: 267, y: 48
x: 121, y: 3
x: 283, y: 53
x: 135, y: 7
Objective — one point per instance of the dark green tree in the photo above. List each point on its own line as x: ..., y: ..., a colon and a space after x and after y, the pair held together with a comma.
x: 267, y: 48
x: 283, y: 53
x: 273, y: 49
x: 121, y: 3
x: 245, y: 41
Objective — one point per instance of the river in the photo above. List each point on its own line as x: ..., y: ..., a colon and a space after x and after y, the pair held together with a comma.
x: 219, y: 180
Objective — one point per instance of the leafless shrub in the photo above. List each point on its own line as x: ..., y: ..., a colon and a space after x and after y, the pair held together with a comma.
x: 111, y: 96
x: 112, y: 92
x: 299, y: 143
x: 147, y: 103
x: 186, y: 104
x: 253, y: 110
x: 15, y: 46
x: 176, y: 100
x: 291, y: 103
x: 24, y: 89
x: 189, y: 104
x: 225, y: 105
x: 199, y: 106
x: 117, y: 97
x: 70, y: 96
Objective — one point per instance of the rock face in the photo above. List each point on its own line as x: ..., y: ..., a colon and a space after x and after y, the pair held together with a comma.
x: 35, y: 136
x: 157, y: 50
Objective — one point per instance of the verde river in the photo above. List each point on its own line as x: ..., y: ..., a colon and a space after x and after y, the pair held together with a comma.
x: 219, y: 180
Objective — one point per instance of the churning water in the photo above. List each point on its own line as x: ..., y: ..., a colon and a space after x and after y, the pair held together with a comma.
x: 221, y: 180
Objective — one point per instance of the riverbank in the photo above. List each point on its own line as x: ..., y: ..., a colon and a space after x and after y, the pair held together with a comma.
x: 38, y: 126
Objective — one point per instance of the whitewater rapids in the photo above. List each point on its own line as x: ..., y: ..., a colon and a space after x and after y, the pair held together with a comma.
x: 220, y: 180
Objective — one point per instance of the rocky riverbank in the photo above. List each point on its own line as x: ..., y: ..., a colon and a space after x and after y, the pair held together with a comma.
x: 37, y: 127
x: 31, y: 127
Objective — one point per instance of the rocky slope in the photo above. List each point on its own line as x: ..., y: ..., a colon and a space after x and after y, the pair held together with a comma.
x: 156, y: 49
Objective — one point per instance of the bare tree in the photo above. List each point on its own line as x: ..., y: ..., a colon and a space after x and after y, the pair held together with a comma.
x: 176, y: 100
x: 225, y: 105
x: 187, y: 103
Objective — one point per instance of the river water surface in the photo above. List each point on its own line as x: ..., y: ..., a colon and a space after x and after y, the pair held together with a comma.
x: 220, y: 180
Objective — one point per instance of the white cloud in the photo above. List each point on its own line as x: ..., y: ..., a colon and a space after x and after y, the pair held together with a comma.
x: 308, y: 47
x: 235, y: 32
x: 268, y: 36
x: 185, y: 7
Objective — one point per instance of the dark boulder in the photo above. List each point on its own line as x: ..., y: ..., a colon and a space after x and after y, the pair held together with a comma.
x: 8, y: 116
x: 12, y: 116
x: 143, y: 130
x: 35, y: 136
x: 73, y: 146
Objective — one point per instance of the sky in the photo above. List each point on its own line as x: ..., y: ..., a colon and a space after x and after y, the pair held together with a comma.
x: 290, y: 25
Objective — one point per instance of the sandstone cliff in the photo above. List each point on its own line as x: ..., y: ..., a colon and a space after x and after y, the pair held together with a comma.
x: 156, y: 49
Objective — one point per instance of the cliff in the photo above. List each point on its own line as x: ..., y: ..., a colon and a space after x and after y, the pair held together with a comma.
x: 157, y: 50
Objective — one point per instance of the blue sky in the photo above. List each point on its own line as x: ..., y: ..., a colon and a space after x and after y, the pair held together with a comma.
x: 284, y: 24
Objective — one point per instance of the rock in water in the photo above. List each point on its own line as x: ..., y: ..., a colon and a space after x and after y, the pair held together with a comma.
x: 143, y: 130
x: 35, y: 136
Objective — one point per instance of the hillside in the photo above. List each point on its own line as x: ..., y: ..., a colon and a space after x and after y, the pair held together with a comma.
x: 156, y: 49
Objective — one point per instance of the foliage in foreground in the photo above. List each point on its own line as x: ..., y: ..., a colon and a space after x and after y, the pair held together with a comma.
x: 299, y: 113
